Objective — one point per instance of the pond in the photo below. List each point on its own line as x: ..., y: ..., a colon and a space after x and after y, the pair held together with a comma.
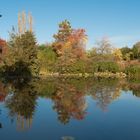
x: 70, y: 109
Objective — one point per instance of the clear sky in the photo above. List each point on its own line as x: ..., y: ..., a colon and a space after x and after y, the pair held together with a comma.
x: 117, y: 19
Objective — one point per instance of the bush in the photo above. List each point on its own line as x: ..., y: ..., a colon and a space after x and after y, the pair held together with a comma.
x: 133, y: 71
x: 78, y: 67
x: 105, y: 66
x: 47, y: 58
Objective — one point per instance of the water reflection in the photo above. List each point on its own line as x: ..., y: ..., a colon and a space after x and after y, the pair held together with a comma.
x: 68, y: 97
x: 68, y: 138
x: 69, y: 102
x: 105, y: 91
x: 21, y: 102
x: 3, y: 92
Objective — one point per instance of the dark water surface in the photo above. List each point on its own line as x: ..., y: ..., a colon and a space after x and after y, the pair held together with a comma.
x: 70, y: 110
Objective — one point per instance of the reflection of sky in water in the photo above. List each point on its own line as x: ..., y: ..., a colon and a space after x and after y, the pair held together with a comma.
x: 118, y: 121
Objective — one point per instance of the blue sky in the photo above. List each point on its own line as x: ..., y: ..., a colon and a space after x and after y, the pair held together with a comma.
x: 118, y: 20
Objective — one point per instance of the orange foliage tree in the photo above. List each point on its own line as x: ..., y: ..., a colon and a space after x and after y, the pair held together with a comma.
x: 69, y: 46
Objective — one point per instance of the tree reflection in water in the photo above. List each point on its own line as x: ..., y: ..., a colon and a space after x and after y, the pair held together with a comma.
x: 68, y: 97
x: 21, y: 102
x: 69, y: 102
x: 3, y: 94
x: 105, y: 91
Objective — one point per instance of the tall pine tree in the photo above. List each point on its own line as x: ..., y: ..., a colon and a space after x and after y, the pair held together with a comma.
x: 22, y: 55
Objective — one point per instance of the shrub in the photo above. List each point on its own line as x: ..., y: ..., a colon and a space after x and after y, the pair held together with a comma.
x: 47, y: 58
x: 133, y: 71
x: 105, y: 66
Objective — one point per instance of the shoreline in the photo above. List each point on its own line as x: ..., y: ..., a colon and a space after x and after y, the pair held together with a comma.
x: 118, y: 75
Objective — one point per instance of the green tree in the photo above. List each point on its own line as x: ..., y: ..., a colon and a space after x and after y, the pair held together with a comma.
x: 126, y: 53
x: 64, y: 31
x: 136, y: 50
x: 62, y: 36
x: 47, y: 58
x: 22, y: 49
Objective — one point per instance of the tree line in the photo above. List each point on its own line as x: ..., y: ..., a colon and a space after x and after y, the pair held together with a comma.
x: 66, y: 55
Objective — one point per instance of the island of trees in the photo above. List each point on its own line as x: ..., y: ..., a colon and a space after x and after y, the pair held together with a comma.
x: 66, y: 56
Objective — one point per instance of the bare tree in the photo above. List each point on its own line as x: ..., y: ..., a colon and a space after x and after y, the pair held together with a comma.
x: 104, y: 46
x: 25, y: 22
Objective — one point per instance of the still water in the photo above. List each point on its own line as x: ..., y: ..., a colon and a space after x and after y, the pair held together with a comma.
x: 58, y: 109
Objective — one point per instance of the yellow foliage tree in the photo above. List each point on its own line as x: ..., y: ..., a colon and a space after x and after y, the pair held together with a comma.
x: 117, y: 54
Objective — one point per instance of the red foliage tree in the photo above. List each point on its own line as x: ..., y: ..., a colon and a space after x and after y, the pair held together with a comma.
x: 77, y: 40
